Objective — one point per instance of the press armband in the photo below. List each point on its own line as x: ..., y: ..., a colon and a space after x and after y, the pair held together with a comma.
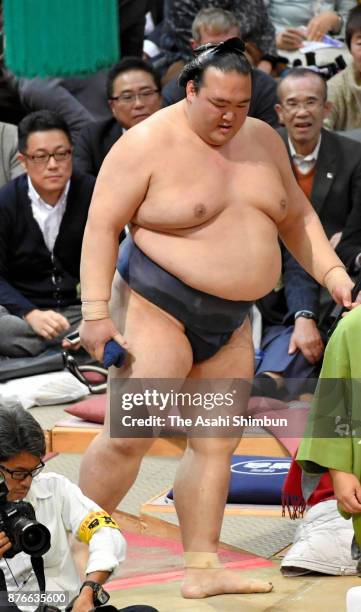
x: 94, y: 521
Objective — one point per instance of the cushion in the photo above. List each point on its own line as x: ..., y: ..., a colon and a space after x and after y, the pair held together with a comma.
x: 256, y: 479
x: 92, y: 409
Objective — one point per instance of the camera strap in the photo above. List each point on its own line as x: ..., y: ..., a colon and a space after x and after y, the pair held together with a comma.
x: 38, y: 567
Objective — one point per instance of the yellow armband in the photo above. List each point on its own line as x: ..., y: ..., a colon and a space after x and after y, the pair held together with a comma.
x: 93, y: 522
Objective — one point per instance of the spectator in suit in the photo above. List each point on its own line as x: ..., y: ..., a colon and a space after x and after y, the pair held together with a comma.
x: 212, y: 25
x: 42, y: 219
x: 327, y: 167
x: 10, y: 166
x: 133, y: 89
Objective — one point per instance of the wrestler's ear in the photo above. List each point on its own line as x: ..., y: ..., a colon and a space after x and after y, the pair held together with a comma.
x: 191, y: 91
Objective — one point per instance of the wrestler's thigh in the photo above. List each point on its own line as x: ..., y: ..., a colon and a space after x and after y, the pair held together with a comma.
x: 233, y: 360
x: 158, y: 347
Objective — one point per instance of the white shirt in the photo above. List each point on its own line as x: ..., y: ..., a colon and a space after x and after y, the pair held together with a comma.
x: 48, y: 217
x: 61, y: 507
x: 305, y: 163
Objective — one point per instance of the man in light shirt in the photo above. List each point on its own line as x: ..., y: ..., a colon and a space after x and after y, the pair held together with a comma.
x: 42, y: 219
x: 327, y: 167
x: 61, y: 506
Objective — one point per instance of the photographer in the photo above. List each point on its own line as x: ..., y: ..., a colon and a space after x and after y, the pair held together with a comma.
x: 62, y: 508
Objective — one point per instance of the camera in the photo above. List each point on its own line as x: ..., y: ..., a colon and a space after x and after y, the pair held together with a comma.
x: 17, y: 520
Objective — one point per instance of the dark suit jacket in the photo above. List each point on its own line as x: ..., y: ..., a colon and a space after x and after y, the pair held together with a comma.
x: 336, y: 197
x: 30, y: 276
x: 93, y: 143
x: 263, y: 98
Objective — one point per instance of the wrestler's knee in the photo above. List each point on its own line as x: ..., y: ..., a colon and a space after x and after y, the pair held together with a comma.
x: 130, y: 447
x: 213, y: 447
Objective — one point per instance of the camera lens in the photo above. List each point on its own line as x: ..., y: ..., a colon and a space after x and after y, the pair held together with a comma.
x: 35, y: 539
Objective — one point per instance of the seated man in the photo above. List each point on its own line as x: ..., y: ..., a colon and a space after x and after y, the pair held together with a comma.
x: 327, y: 167
x: 62, y: 508
x: 42, y: 220
x: 10, y: 166
x: 211, y: 25
x: 257, y: 29
x: 133, y: 95
x: 344, y: 87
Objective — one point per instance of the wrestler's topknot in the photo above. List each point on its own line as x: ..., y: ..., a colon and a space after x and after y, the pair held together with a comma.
x: 227, y: 56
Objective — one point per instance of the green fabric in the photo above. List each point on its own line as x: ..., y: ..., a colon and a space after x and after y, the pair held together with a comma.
x: 332, y: 438
x: 61, y: 37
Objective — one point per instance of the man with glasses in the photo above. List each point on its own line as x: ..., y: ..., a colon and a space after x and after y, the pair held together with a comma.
x: 60, y: 505
x: 133, y: 88
x: 327, y: 167
x: 42, y: 220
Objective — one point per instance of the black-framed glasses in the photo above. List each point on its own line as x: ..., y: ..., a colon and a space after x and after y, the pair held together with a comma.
x: 130, y: 98
x: 43, y: 158
x: 22, y: 474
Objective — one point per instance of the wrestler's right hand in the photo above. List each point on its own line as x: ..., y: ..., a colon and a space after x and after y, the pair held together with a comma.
x: 347, y: 490
x: 5, y: 543
x: 95, y: 334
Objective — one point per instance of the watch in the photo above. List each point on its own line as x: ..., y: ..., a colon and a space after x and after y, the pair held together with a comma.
x: 307, y: 314
x: 100, y: 596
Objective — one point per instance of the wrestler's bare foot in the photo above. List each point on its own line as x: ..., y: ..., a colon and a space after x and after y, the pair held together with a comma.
x: 200, y: 583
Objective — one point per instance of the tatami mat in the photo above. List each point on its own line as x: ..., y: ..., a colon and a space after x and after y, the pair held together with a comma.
x: 47, y: 416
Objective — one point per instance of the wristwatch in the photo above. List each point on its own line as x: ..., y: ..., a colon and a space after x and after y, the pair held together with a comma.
x: 307, y: 314
x: 100, y: 597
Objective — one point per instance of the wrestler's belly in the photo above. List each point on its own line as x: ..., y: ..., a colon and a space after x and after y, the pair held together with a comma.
x: 226, y: 264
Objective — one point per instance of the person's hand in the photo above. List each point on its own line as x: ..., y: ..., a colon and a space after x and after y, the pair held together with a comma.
x: 307, y: 339
x: 95, y: 334
x: 319, y: 25
x: 347, y: 490
x: 84, y: 602
x: 5, y: 543
x: 47, y: 323
x: 290, y: 39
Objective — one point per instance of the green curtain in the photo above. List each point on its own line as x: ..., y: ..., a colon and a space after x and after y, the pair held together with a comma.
x: 60, y: 37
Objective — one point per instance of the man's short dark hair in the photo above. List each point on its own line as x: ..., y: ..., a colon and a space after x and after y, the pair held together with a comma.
x: 299, y: 73
x: 353, y: 24
x: 227, y: 56
x: 40, y: 121
x: 126, y: 65
x: 20, y: 432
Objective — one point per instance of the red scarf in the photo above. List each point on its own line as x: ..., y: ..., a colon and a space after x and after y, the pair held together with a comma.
x: 292, y: 497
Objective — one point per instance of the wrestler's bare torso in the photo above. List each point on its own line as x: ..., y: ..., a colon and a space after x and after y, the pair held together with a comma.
x: 209, y: 215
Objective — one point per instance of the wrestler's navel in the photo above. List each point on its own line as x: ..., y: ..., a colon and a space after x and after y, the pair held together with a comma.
x: 200, y: 210
x: 283, y: 204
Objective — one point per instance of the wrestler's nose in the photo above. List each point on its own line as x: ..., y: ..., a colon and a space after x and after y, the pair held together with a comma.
x: 228, y: 116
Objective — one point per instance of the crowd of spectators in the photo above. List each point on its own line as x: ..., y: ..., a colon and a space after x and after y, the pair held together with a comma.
x: 156, y: 39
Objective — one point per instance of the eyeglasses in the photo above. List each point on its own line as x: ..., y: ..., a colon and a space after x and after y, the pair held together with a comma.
x: 43, y: 158
x: 293, y: 106
x: 130, y: 98
x: 22, y: 474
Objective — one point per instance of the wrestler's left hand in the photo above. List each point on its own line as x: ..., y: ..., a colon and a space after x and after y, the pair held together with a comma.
x: 95, y: 334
